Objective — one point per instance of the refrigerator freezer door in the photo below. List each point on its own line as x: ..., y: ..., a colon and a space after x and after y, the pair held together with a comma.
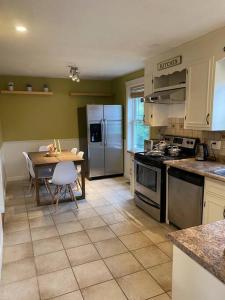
x: 95, y: 141
x: 113, y: 139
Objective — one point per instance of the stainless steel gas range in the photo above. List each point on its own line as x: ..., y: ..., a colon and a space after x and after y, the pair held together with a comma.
x: 150, y: 176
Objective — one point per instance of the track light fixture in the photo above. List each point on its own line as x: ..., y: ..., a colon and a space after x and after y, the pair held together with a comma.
x: 74, y: 73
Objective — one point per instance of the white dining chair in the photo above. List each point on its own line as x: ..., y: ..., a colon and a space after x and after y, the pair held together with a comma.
x: 80, y: 154
x: 74, y: 150
x: 64, y: 176
x: 43, y: 175
x: 43, y: 148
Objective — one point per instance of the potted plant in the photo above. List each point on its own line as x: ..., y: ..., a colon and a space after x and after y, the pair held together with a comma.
x: 11, y: 86
x: 45, y: 88
x: 29, y: 87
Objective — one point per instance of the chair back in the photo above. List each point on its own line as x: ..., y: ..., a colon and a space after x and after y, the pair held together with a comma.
x: 64, y: 173
x: 74, y: 150
x: 26, y: 158
x: 80, y: 154
x: 30, y: 167
x: 43, y: 148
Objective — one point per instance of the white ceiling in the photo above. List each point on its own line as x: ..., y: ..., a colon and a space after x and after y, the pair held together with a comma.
x: 105, y: 38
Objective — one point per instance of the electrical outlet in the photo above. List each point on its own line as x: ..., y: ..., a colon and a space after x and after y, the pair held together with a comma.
x: 215, y: 145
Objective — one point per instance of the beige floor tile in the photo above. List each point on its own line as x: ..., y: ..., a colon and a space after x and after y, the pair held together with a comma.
x: 18, y: 217
x: 51, y: 262
x: 64, y: 217
x: 91, y: 273
x: 38, y: 212
x: 69, y: 227
x: 57, y: 283
x: 170, y: 294
x: 45, y: 246
x: 17, y: 252
x: 151, y: 256
x: 110, y: 247
x: 167, y: 248
x: 82, y: 254
x: 16, y: 226
x: 123, y: 264
x: 75, y: 239
x: 18, y: 270
x: 15, y: 238
x: 124, y: 228
x: 98, y: 202
x: 21, y: 290
x: 157, y: 234
x: 70, y: 296
x: 43, y: 232
x: 92, y: 222
x: 113, y: 218
x: 83, y: 204
x: 41, y: 222
x: 100, y: 233
x: 106, y: 209
x: 135, y: 240
x: 108, y: 290
x: 161, y: 297
x: 85, y: 213
x: 139, y: 285
x: 163, y: 275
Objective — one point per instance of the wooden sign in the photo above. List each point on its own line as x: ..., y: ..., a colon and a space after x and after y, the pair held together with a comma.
x: 172, y: 62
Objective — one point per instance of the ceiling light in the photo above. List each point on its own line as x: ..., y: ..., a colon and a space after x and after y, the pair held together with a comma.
x: 21, y: 29
x: 74, y: 73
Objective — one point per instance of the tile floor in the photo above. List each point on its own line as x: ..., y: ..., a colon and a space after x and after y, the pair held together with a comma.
x: 109, y: 249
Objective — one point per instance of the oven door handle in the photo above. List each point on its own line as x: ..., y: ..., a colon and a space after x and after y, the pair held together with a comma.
x: 149, y: 202
x: 146, y: 166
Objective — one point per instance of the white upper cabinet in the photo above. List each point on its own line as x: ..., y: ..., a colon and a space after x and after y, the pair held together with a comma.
x: 156, y: 114
x: 205, y: 99
x: 198, y: 108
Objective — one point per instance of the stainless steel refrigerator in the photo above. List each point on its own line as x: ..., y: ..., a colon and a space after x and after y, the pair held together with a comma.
x: 105, y: 140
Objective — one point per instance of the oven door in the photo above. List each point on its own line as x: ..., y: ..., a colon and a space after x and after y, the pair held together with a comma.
x: 148, y: 181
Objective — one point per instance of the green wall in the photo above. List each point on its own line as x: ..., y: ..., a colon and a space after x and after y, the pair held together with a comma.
x: 26, y: 117
x: 119, y: 85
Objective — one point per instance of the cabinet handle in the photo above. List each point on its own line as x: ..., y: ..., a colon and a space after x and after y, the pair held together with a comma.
x: 185, y: 118
x: 224, y: 213
x: 204, y: 204
x: 151, y: 116
x: 207, y: 119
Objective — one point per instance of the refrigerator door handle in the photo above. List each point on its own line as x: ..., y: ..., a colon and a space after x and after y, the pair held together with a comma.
x: 102, y: 131
x: 105, y: 131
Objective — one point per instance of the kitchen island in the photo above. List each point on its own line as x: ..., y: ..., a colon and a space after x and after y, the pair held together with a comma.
x: 199, y: 262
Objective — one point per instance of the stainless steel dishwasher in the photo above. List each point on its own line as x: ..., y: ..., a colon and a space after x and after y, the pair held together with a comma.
x: 185, y: 198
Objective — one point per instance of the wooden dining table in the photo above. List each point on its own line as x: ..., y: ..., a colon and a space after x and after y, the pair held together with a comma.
x: 41, y: 160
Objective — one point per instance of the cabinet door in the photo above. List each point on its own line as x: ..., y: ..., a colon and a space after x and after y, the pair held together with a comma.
x: 156, y: 114
x: 214, y: 208
x: 198, y: 108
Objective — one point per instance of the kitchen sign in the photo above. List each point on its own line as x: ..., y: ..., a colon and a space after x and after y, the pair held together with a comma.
x: 172, y: 62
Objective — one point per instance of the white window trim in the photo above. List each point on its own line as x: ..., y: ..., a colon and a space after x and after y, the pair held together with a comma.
x: 130, y: 84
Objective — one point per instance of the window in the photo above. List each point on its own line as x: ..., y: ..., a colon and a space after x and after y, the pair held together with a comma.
x: 137, y: 131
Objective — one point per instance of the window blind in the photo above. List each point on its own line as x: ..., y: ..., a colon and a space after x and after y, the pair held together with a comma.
x: 137, y: 91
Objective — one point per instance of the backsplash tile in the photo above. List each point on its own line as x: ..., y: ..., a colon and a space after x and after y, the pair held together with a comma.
x: 176, y: 127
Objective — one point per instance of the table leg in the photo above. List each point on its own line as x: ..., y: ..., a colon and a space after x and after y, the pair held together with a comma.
x: 83, y: 179
x: 37, y: 186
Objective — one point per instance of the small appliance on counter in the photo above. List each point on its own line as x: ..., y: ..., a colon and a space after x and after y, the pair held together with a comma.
x: 201, y: 152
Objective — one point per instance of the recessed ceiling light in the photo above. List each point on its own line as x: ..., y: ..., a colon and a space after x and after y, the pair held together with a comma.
x: 21, y: 28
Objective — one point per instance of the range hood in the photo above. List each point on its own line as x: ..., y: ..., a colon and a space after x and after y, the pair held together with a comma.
x: 169, y: 96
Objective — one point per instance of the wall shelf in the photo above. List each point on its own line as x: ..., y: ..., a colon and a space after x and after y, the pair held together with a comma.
x: 91, y: 94
x: 27, y: 93
x: 171, y: 87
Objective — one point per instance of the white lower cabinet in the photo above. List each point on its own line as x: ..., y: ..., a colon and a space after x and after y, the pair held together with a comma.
x: 214, y: 201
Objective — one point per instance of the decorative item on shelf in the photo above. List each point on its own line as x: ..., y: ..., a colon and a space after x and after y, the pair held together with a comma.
x: 74, y: 73
x: 11, y: 86
x: 29, y: 87
x: 45, y: 88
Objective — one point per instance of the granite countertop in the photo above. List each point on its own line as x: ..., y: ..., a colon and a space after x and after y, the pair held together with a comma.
x: 204, y: 168
x: 205, y: 244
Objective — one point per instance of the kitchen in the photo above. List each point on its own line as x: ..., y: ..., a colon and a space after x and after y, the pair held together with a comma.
x: 148, y: 154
